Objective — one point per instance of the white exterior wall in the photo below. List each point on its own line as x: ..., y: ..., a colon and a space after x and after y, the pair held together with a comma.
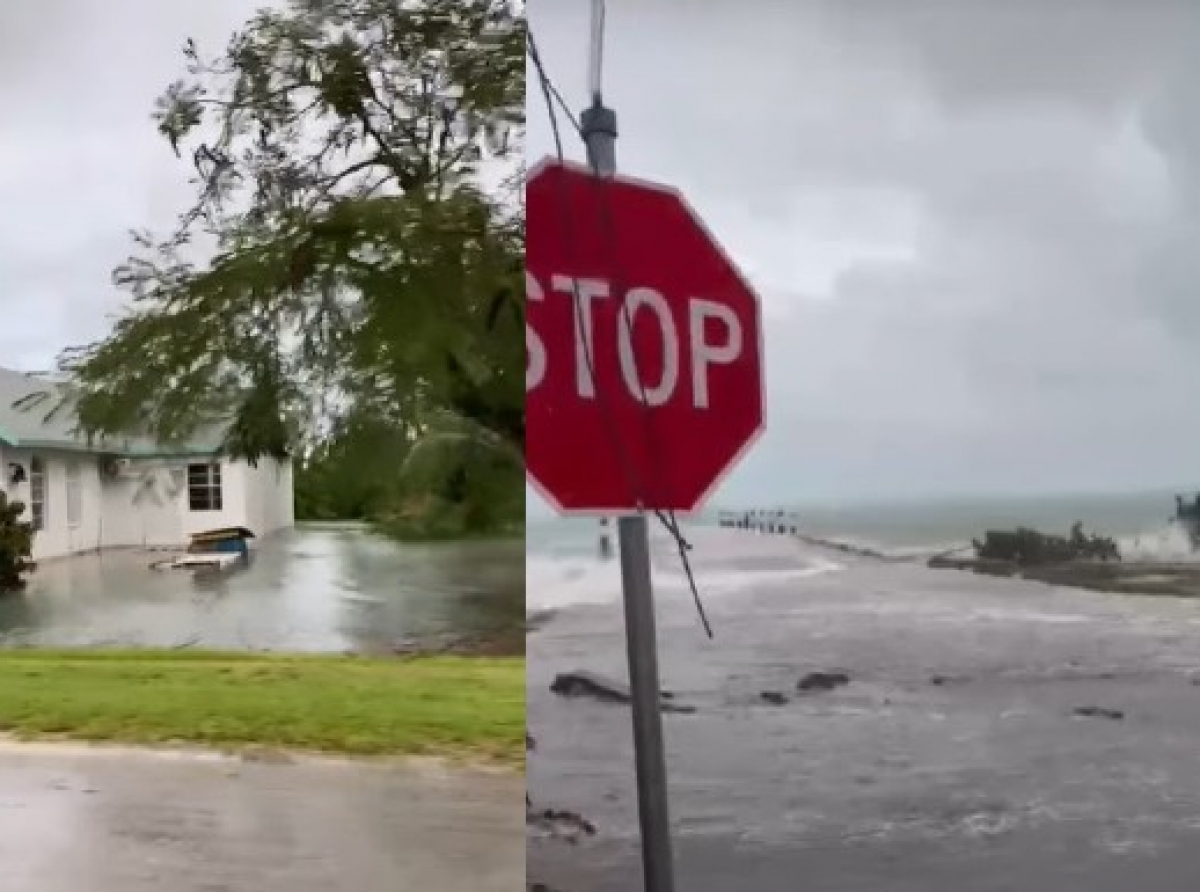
x: 125, y: 512
x: 133, y: 514
x: 59, y: 536
x: 268, y: 496
x: 259, y: 498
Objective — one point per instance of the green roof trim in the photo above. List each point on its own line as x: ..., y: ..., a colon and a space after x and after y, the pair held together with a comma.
x: 26, y: 424
x: 119, y: 451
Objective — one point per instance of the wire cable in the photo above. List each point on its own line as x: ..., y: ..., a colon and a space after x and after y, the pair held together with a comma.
x: 548, y: 85
x: 548, y: 91
x: 667, y: 518
x: 552, y: 97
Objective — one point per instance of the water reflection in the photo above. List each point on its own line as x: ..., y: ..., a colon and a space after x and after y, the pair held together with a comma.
x: 318, y: 588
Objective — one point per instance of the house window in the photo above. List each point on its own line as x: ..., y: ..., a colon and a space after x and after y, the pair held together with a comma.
x: 204, y: 487
x: 74, y: 494
x: 37, y: 492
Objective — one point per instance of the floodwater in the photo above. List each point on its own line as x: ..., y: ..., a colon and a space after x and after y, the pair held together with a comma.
x: 317, y: 588
x: 954, y: 759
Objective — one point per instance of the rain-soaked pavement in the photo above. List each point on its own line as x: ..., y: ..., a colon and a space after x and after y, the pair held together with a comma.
x: 80, y: 820
x: 317, y: 588
x: 952, y: 761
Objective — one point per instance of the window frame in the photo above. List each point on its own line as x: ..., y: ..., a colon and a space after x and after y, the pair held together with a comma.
x: 74, y: 478
x: 205, y: 487
x: 39, y: 491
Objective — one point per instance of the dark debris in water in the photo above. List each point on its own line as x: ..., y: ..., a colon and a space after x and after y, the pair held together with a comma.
x: 560, y: 824
x: 944, y: 680
x: 822, y: 681
x: 1099, y: 712
x: 582, y: 683
x: 539, y: 619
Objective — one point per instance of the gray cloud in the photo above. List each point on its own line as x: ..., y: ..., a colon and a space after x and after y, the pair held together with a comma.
x: 975, y: 226
x: 80, y: 161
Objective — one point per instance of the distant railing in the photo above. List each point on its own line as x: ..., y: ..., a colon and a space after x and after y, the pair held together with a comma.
x: 778, y: 522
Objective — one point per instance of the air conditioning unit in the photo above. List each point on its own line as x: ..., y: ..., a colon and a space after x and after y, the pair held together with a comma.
x: 117, y: 468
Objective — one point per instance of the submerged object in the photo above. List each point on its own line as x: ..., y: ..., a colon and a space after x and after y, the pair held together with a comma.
x: 218, y: 549
x: 224, y: 540
x: 216, y: 560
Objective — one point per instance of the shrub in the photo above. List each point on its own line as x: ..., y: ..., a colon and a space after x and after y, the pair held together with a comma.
x: 16, y: 545
x: 1029, y: 547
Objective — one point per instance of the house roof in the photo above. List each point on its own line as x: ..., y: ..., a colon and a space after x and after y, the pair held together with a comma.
x: 29, y: 419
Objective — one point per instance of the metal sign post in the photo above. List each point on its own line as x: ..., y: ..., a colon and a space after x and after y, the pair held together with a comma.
x: 596, y: 455
x: 599, y: 125
x: 642, y: 646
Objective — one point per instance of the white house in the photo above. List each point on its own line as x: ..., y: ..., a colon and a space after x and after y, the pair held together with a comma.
x: 84, y: 497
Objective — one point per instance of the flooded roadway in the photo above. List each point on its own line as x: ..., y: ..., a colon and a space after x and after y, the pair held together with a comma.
x: 985, y: 781
x: 318, y: 588
x: 75, y: 819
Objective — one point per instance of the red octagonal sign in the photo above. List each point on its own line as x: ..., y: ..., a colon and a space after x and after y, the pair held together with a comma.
x: 644, y: 379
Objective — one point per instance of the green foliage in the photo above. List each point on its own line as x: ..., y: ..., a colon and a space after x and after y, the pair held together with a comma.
x: 352, y: 473
x: 453, y: 481
x: 450, y: 482
x: 16, y: 545
x: 1030, y: 548
x: 351, y: 257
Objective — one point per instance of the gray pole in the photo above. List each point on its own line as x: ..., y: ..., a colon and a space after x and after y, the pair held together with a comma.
x: 642, y: 647
x: 599, y: 125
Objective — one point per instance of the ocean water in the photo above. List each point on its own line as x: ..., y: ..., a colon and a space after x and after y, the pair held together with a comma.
x: 563, y: 567
x: 949, y: 522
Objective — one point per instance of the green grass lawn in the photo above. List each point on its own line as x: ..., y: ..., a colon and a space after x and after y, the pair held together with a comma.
x: 457, y: 707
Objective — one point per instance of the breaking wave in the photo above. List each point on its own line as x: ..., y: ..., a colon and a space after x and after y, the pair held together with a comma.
x: 564, y: 572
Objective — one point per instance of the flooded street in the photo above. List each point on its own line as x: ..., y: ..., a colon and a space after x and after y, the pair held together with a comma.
x: 954, y: 759
x: 318, y: 588
x: 77, y: 819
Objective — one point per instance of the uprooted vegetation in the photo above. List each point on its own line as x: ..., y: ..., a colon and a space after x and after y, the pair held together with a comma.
x: 1027, y: 547
x: 1078, y: 561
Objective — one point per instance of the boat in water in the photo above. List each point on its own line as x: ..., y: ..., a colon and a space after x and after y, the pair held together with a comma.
x: 220, y: 549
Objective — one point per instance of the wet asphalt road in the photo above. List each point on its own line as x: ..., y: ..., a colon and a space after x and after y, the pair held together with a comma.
x: 985, y: 782
x: 78, y: 820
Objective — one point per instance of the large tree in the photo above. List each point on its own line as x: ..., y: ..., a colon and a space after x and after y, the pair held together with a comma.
x: 343, y: 251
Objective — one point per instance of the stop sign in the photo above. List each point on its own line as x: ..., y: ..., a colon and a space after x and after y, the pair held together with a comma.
x: 644, y: 380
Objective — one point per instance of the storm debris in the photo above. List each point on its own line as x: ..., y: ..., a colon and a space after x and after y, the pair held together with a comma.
x: 1099, y: 712
x: 1028, y: 547
x: 943, y: 680
x: 538, y: 619
x: 582, y: 683
x: 567, y: 826
x: 822, y: 681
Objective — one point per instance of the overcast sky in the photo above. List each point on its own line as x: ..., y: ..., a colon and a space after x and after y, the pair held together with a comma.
x: 975, y: 226
x: 80, y: 161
